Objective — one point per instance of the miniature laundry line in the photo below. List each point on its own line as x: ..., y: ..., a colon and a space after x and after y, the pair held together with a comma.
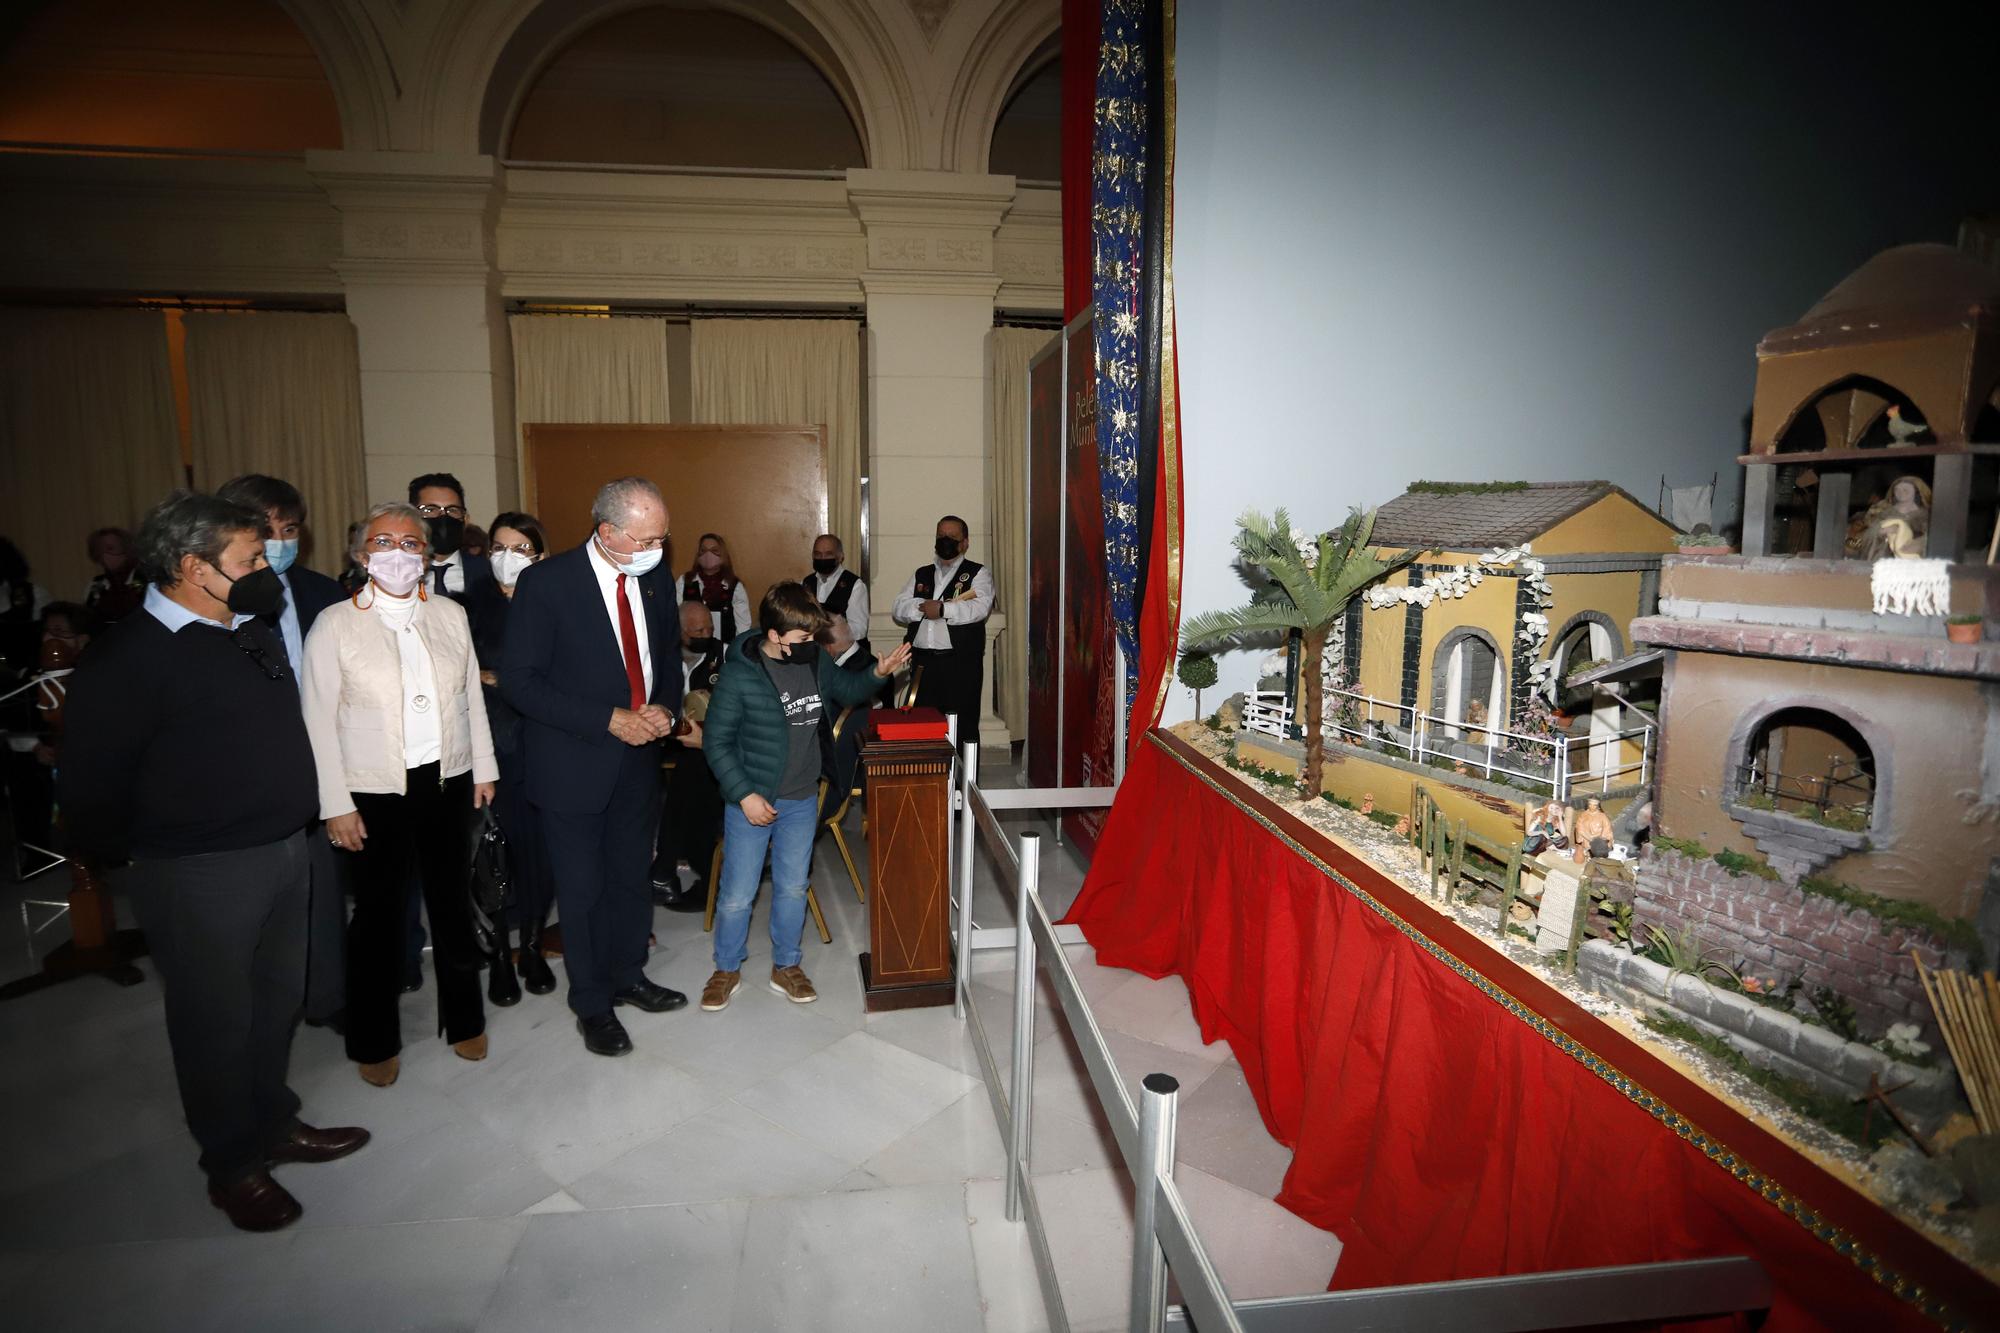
x: 1911, y: 587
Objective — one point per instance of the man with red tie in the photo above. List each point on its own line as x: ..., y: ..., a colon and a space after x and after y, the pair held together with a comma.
x: 584, y: 634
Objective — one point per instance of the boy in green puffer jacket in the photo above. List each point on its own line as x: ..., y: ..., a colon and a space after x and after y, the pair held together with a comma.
x: 763, y: 740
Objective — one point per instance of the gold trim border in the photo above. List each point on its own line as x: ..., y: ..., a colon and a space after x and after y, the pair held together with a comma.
x: 1170, y: 385
x: 1717, y: 1152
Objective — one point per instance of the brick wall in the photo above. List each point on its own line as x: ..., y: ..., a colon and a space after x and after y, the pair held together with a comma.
x: 1780, y: 930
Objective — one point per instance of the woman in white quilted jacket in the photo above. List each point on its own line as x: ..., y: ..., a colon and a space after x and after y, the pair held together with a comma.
x: 399, y: 734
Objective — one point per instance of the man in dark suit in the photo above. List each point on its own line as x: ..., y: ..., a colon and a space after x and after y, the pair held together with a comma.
x: 454, y: 571
x: 307, y: 593
x: 592, y: 661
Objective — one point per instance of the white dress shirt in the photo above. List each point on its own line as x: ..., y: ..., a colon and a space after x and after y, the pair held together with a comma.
x: 857, y: 601
x: 423, y: 737
x: 607, y: 584
x: 935, y: 635
x: 454, y: 573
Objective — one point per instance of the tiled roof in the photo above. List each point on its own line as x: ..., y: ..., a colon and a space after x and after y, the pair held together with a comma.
x: 1470, y: 520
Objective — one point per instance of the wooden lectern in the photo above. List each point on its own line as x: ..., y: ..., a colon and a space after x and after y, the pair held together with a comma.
x: 909, y: 960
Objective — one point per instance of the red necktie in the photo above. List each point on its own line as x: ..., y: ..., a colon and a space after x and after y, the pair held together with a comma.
x: 628, y: 637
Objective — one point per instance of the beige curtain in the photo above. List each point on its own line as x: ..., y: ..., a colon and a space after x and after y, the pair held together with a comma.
x: 280, y: 393
x: 87, y: 433
x: 1007, y: 355
x: 574, y: 370
x: 789, y: 372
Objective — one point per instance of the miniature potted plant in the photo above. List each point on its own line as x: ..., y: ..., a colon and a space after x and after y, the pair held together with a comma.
x: 1963, y: 629
x: 1702, y: 541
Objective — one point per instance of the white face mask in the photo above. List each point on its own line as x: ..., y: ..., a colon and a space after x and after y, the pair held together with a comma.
x: 396, y: 572
x: 507, y: 566
x: 634, y: 563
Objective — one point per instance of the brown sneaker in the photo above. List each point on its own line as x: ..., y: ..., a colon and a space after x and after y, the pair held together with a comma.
x: 791, y: 983
x: 715, y: 995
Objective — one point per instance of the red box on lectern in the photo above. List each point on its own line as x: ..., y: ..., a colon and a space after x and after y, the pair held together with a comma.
x: 910, y: 724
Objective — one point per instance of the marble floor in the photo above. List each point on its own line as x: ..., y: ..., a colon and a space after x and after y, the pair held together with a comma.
x: 774, y: 1166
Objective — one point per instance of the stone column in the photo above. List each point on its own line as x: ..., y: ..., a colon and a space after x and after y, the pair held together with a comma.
x: 930, y: 282
x: 417, y: 266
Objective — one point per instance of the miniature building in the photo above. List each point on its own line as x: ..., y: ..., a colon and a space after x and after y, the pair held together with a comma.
x: 1907, y: 345
x: 1465, y: 661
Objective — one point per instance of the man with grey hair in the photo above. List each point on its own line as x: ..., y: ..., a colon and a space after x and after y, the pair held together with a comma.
x: 184, y: 751
x: 592, y: 663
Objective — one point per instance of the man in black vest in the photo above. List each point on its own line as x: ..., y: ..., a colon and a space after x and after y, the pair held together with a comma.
x: 839, y: 590
x: 945, y: 606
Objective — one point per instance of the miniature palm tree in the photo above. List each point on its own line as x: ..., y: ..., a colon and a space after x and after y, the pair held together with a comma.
x: 1306, y: 584
x: 1197, y: 672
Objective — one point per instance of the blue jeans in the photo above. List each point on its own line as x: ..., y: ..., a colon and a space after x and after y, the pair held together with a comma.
x: 789, y: 840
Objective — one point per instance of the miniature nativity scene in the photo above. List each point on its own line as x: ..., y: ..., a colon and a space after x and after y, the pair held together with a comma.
x: 1744, y: 805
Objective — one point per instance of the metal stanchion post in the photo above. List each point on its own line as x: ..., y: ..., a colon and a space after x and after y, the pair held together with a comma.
x: 1021, y: 1100
x: 968, y: 836
x: 1158, y: 1100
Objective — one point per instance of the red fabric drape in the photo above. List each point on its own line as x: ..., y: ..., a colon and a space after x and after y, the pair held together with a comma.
x: 1439, y: 1132
x: 1082, y: 23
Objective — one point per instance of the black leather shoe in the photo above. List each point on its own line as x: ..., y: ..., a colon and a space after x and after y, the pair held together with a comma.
x: 603, y: 1034
x: 413, y: 978
x: 335, y: 1022
x: 665, y: 889
x: 503, y: 988
x: 306, y: 1144
x: 536, y: 974
x: 654, y: 999
x: 694, y: 898
x: 255, y: 1202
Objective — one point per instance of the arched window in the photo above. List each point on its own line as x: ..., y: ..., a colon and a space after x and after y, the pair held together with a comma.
x: 1469, y: 684
x: 1027, y: 140
x: 234, y: 75
x: 1810, y: 763
x: 1590, y: 637
x: 685, y: 87
x: 1850, y: 414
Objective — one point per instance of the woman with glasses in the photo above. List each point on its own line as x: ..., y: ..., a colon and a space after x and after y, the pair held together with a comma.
x: 398, y: 725
x: 517, y: 544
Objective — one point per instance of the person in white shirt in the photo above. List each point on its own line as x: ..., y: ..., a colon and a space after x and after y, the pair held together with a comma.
x: 945, y: 606
x: 399, y: 734
x: 714, y: 584
x: 838, y: 589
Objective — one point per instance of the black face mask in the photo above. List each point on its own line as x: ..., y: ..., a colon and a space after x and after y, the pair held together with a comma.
x: 704, y: 646
x: 947, y: 548
x: 447, y: 534
x: 825, y: 567
x: 258, y: 593
x: 802, y: 654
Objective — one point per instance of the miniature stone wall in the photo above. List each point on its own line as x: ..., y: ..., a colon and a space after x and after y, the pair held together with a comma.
x: 1780, y: 930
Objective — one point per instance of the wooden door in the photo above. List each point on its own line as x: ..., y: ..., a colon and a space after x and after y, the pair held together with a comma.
x: 762, y: 487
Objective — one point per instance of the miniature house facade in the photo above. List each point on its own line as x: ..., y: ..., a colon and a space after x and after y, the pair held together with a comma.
x: 1464, y: 667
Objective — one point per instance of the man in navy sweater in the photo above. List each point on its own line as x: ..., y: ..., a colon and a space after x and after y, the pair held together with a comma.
x: 185, y: 751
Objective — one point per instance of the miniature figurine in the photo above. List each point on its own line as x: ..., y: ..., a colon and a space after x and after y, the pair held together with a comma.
x: 1594, y: 834
x: 1896, y: 525
x: 1901, y: 431
x: 1547, y: 829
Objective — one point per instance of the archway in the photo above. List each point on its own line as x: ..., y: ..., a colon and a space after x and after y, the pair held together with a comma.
x: 216, y: 75
x: 1589, y: 637
x: 1810, y: 762
x: 1027, y: 139
x: 1851, y: 413
x: 1469, y: 684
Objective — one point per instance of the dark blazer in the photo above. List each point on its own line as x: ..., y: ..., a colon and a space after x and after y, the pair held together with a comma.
x: 313, y: 592
x: 486, y: 611
x: 563, y: 669
x: 478, y: 578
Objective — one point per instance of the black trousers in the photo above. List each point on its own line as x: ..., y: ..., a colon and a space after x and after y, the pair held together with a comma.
x: 428, y: 827
x: 604, y: 893
x: 326, y: 932
x: 528, y: 850
x: 690, y: 818
x: 951, y: 684
x: 227, y: 932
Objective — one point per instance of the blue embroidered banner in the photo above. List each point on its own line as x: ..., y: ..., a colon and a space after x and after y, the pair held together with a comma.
x: 1118, y: 175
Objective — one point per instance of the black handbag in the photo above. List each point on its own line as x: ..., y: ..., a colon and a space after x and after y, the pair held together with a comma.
x: 491, y: 885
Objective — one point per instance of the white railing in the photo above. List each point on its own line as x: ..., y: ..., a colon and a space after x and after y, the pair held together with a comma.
x: 1165, y: 1239
x: 1489, y: 752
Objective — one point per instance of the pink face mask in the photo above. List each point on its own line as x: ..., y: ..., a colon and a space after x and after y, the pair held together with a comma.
x: 710, y: 561
x: 396, y: 572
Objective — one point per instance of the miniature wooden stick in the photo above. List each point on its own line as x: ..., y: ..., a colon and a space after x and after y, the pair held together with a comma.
x: 1946, y: 1015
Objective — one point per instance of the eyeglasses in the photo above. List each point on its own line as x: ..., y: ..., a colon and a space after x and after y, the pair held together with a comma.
x: 523, y: 548
x: 645, y: 543
x: 441, y: 511
x: 384, y: 542
x: 257, y: 654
